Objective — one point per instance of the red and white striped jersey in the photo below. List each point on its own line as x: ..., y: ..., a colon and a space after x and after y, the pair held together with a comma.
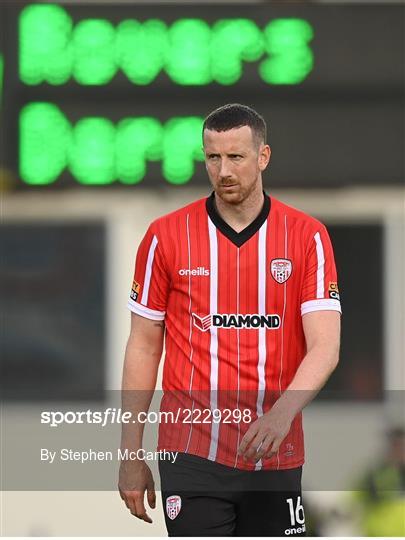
x: 232, y: 305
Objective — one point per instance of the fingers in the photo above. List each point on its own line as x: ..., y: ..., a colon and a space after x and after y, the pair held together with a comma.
x: 264, y: 448
x: 140, y: 511
x: 134, y: 502
x: 139, y: 477
x: 252, y: 442
x: 151, y: 495
x: 268, y: 448
x: 262, y: 444
x: 255, y: 446
x: 124, y: 498
x: 273, y: 449
x: 247, y: 439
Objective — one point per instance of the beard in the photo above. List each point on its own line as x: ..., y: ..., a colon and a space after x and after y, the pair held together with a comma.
x: 232, y: 192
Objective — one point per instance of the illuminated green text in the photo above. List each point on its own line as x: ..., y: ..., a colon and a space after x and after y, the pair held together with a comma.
x: 97, y: 152
x: 190, y: 51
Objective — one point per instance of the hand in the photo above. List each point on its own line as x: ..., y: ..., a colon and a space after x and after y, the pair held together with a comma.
x: 134, y: 478
x: 264, y: 436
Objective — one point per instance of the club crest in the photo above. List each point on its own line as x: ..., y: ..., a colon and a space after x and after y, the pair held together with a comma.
x: 281, y: 269
x: 173, y: 506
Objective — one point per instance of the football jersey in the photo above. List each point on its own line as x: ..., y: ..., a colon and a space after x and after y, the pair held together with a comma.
x: 232, y: 305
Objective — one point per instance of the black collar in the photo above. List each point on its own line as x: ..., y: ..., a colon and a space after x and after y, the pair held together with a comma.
x: 237, y: 238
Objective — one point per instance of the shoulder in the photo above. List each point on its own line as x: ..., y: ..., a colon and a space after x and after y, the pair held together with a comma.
x: 295, y: 217
x: 173, y: 224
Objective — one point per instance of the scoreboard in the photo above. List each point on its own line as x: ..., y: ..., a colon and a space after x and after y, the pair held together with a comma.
x: 189, y: 51
x: 104, y: 94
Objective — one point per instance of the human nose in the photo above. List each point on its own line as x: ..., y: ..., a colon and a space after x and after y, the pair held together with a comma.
x: 224, y: 171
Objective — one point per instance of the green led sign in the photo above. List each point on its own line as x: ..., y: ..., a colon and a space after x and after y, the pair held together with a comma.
x: 190, y: 51
x: 97, y: 152
x: 1, y: 77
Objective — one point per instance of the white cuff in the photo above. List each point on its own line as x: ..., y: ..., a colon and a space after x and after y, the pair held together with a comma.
x: 321, y: 304
x: 146, y: 312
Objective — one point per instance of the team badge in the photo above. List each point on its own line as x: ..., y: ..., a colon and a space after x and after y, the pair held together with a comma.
x: 173, y: 506
x: 281, y: 269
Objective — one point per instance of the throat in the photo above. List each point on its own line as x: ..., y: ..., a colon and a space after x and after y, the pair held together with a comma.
x: 238, y: 230
x: 238, y: 217
x: 236, y: 224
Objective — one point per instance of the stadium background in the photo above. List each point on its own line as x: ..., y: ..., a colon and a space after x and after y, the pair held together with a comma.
x: 77, y: 198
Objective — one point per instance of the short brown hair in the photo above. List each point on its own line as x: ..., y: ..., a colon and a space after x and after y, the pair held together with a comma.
x: 235, y: 115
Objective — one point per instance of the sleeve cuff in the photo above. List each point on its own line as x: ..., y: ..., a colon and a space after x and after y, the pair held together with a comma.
x: 322, y: 304
x: 146, y: 312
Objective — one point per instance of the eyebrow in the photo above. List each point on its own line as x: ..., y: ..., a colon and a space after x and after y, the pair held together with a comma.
x: 234, y: 153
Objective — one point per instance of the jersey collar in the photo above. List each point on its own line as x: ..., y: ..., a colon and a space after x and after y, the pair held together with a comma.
x: 243, y: 236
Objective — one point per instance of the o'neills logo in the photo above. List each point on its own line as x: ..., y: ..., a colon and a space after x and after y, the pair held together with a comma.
x: 200, y: 271
x: 231, y: 320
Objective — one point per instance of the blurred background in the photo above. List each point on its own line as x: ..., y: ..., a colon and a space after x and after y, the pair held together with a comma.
x: 101, y: 107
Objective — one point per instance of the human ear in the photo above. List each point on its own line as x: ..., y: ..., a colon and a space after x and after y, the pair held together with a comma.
x: 264, y: 156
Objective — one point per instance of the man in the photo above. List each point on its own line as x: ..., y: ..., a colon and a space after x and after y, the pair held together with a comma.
x: 379, y: 498
x: 244, y: 290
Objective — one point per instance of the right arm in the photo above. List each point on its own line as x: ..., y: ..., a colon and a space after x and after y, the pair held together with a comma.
x: 142, y: 357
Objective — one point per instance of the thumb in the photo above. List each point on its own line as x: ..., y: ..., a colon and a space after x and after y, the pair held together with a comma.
x: 152, y: 498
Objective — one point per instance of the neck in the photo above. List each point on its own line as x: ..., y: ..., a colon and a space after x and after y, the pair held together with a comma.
x: 239, y: 216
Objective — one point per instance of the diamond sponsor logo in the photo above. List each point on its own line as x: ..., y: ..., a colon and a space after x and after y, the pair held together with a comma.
x: 236, y: 320
x: 202, y: 323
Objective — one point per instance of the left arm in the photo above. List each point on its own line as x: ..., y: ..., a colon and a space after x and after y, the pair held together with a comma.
x: 322, y: 336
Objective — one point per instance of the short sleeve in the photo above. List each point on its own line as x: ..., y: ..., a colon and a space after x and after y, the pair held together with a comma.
x: 150, y: 287
x: 320, y: 288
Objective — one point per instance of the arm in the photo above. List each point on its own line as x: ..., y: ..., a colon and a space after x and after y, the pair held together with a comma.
x: 322, y: 335
x: 142, y: 357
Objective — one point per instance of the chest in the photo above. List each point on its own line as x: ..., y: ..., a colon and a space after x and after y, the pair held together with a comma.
x: 256, y: 277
